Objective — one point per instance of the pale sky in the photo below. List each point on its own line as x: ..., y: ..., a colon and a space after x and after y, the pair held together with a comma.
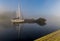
x: 33, y: 8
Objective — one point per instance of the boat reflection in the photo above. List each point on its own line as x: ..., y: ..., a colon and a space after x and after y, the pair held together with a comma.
x: 18, y: 28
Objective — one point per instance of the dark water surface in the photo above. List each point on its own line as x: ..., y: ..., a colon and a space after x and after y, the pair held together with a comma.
x: 25, y: 31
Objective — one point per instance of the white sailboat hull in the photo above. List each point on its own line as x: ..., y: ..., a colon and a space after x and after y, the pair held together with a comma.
x: 17, y: 21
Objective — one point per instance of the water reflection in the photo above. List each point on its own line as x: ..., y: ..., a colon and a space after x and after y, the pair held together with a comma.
x: 25, y: 31
x: 18, y: 28
x: 41, y: 24
x: 7, y: 32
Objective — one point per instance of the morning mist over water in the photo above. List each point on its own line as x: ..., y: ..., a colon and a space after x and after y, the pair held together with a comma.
x: 40, y: 18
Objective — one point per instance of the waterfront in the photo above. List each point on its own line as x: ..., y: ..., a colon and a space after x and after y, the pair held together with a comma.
x: 25, y: 31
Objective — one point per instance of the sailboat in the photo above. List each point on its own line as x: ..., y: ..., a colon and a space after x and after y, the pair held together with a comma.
x: 18, y: 18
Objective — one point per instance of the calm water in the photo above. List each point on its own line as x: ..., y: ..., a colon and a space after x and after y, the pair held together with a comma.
x: 25, y: 31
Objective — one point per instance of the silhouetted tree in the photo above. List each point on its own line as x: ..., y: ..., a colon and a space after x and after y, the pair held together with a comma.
x: 41, y: 21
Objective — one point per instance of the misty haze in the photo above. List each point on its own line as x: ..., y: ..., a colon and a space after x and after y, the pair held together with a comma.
x: 28, y: 20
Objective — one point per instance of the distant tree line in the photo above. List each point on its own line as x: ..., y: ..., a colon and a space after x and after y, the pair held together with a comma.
x: 39, y: 20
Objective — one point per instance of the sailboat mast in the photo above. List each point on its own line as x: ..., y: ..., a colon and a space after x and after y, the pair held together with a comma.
x: 18, y: 13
